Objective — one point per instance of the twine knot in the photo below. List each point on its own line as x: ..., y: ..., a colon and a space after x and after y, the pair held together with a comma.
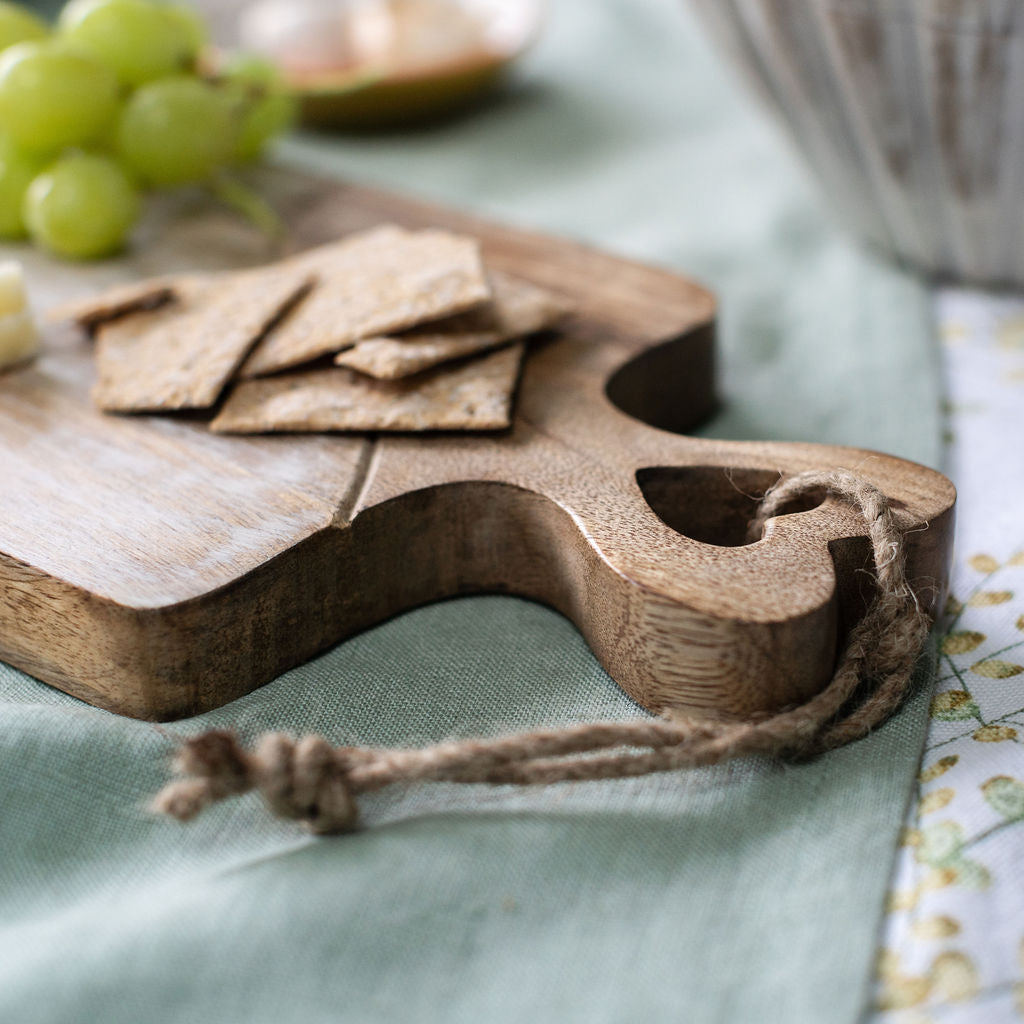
x: 304, y: 780
x: 309, y: 781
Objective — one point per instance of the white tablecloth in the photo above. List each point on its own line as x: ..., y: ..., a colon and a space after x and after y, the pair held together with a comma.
x: 954, y: 939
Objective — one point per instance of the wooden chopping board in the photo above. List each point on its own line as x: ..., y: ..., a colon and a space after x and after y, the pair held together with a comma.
x: 157, y: 570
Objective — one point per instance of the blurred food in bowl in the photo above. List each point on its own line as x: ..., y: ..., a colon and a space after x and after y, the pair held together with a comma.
x: 377, y: 63
x: 909, y: 113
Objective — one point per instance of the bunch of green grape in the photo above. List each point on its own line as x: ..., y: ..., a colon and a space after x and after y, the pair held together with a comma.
x: 111, y: 101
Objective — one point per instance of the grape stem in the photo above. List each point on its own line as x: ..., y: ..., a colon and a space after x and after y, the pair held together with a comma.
x: 249, y: 204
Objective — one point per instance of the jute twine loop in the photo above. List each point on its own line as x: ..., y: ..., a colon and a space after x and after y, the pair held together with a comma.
x: 310, y: 781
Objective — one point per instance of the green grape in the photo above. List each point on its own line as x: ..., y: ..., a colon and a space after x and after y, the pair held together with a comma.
x: 177, y: 130
x: 52, y: 95
x: 189, y: 25
x: 268, y: 109
x: 138, y: 39
x: 17, y: 169
x: 18, y: 25
x: 83, y: 206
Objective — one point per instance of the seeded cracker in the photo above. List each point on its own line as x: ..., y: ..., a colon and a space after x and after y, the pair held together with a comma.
x: 181, y: 356
x: 373, y: 283
x: 517, y: 308
x: 475, y: 396
x: 137, y: 297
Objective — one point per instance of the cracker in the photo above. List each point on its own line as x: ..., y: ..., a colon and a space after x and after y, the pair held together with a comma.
x: 124, y: 299
x: 373, y: 283
x: 517, y: 308
x: 182, y: 355
x: 475, y: 396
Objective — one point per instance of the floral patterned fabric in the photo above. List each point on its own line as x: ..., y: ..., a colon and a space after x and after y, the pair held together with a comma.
x: 953, y: 949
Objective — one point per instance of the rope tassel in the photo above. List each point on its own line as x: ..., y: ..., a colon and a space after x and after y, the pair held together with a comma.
x: 310, y: 781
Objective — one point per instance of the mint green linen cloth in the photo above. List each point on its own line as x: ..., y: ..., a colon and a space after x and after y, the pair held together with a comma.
x: 748, y: 892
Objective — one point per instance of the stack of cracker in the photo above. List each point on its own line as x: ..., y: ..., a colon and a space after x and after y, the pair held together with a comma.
x: 388, y: 329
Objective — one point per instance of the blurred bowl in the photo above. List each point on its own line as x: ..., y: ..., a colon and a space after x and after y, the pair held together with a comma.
x: 910, y: 113
x: 385, y: 63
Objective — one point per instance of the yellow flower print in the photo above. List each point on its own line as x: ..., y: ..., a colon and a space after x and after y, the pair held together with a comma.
x: 898, y: 990
x: 941, y: 926
x: 987, y: 598
x: 954, y: 333
x: 994, y: 734
x: 995, y: 668
x: 961, y: 642
x: 935, y: 801
x: 983, y: 563
x: 910, y: 837
x: 940, y: 767
x: 1010, y: 333
x: 953, y: 706
x: 901, y: 899
x: 954, y: 977
x: 937, y: 878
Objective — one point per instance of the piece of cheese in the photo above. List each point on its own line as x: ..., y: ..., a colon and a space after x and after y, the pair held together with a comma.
x: 19, y: 338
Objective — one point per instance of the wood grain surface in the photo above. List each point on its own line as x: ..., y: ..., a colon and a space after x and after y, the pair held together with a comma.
x: 158, y: 570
